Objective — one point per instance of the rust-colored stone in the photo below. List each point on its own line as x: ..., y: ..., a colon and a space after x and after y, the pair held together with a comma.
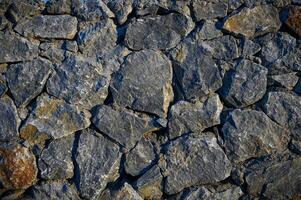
x: 294, y: 20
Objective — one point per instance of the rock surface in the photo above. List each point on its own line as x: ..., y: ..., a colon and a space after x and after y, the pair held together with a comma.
x: 294, y: 19
x: 209, y: 9
x: 126, y: 192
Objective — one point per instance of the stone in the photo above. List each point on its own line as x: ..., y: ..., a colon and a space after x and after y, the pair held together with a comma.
x: 249, y: 48
x: 3, y: 87
x: 26, y: 80
x: 295, y: 146
x: 79, y: 81
x: 15, y: 49
x: 48, y: 26
x: 98, y: 162
x: 126, y: 192
x: 58, y: 7
x: 298, y: 87
x: 121, y: 8
x: 285, y: 80
x: 124, y: 127
x: 245, y: 85
x: 55, y: 118
x: 250, y: 133
x: 9, y: 120
x: 139, y: 159
x: 292, y: 60
x: 3, y: 23
x: 253, y: 22
x: 185, y: 117
x: 195, y: 70
x: 208, y: 31
x: 142, y: 33
x: 55, y: 161
x: 147, y: 86
x: 21, y: 9
x: 18, y: 168
x: 194, y: 159
x: 293, y: 20
x: 209, y: 9
x: 70, y: 46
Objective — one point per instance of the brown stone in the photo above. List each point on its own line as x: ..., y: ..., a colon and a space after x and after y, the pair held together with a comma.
x: 294, y: 20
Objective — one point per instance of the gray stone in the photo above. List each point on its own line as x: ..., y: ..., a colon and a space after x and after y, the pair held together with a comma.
x: 209, y: 9
x: 194, y: 159
x: 252, y: 22
x: 55, y: 118
x: 3, y: 22
x: 298, y: 87
x: 285, y: 80
x: 26, y: 80
x: 9, y: 120
x: 3, y: 87
x: 249, y: 48
x: 126, y: 192
x: 245, y: 85
x: 187, y: 117
x: 70, y: 46
x: 292, y: 60
x: 121, y: 8
x: 139, y: 159
x: 53, y: 52
x: 58, y: 6
x: 295, y: 146
x: 208, y: 31
x: 143, y: 33
x: 55, y: 161
x: 143, y: 83
x: 79, y: 81
x: 98, y: 162
x: 250, y: 133
x: 14, y: 49
x: 20, y: 9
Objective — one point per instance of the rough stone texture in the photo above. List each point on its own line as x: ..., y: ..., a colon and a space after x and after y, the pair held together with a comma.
x: 208, y: 31
x: 209, y: 9
x: 126, y: 192
x: 143, y: 83
x: 121, y: 8
x: 58, y: 7
x: 249, y: 47
x: 285, y: 80
x: 194, y: 159
x: 293, y: 20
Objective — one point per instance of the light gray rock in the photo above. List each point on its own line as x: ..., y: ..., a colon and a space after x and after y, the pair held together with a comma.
x: 143, y: 83
x: 208, y: 31
x: 121, y: 8
x: 285, y: 80
x: 209, y: 9
x: 126, y: 192
x: 98, y: 162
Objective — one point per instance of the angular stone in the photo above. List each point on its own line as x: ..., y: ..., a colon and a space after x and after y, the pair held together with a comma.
x: 58, y: 6
x: 293, y: 20
x: 126, y: 192
x: 143, y: 83
x: 252, y: 22
x: 143, y: 33
x: 249, y: 48
x: 292, y: 60
x: 70, y: 46
x: 26, y: 80
x: 195, y: 70
x: 9, y: 120
x: 79, y: 81
x: 55, y: 118
x: 121, y: 8
x: 245, y: 85
x: 285, y: 80
x: 250, y: 133
x: 98, y: 162
x: 18, y: 168
x: 139, y: 159
x: 48, y: 26
x: 55, y: 161
x: 20, y: 9
x: 194, y: 159
x: 187, y: 117
x: 209, y: 9
x: 15, y: 49
x: 3, y: 87
x: 208, y: 31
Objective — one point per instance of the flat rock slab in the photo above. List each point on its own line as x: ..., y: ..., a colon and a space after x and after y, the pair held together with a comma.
x: 143, y: 83
x: 48, y: 26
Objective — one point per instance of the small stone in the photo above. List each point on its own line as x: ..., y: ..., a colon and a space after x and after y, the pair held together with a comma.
x: 48, y: 26
x: 143, y: 83
x: 55, y: 118
x: 209, y: 9
x: 18, y: 168
x: 249, y: 48
x: 58, y: 6
x: 126, y: 192
x: 15, y: 49
x: 208, y: 31
x: 26, y: 80
x: 55, y: 161
x: 292, y: 60
x: 121, y: 8
x: 70, y: 46
x: 252, y: 22
x: 245, y: 85
x: 3, y: 87
x: 143, y: 33
x: 20, y: 9
x: 9, y: 120
x: 187, y: 117
x: 285, y: 80
x: 139, y: 159
x: 250, y: 133
x: 194, y: 159
x: 98, y: 162
x: 293, y: 20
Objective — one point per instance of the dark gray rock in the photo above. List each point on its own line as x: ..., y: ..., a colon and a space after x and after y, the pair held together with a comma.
x: 125, y: 192
x: 53, y: 52
x: 295, y: 146
x: 208, y: 31
x: 48, y: 26
x: 249, y: 48
x: 121, y: 8
x: 26, y: 80
x: 55, y: 161
x: 187, y: 117
x: 245, y: 85
x: 3, y: 87
x: 20, y: 9
x: 98, y: 162
x: 209, y: 9
x: 292, y: 60
x: 285, y: 80
x: 143, y: 83
x: 250, y: 133
x: 58, y: 6
x: 194, y: 159
x: 14, y: 49
x: 70, y: 45
x: 9, y: 120
x: 298, y: 87
x: 143, y: 33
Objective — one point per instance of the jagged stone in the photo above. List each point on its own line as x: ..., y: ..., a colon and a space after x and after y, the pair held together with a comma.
x: 252, y: 22
x: 70, y: 46
x: 194, y: 159
x: 143, y: 33
x: 293, y: 20
x: 58, y: 6
x: 26, y: 80
x: 209, y: 9
x: 126, y: 192
x: 143, y: 83
x: 98, y: 162
x: 187, y: 117
x: 245, y: 85
x: 285, y: 80
x: 292, y: 60
x: 55, y: 118
x: 249, y: 48
x: 19, y: 9
x: 121, y: 8
x: 53, y: 52
x: 3, y: 87
x: 208, y: 31
x: 250, y: 133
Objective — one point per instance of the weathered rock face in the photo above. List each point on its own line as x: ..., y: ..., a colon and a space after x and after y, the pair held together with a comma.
x: 288, y: 80
x: 294, y: 19
x: 209, y: 9
x: 121, y: 9
x: 126, y: 192
x: 208, y: 31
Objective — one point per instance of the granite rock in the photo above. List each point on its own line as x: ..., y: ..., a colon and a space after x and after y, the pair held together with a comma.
x: 209, y: 9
